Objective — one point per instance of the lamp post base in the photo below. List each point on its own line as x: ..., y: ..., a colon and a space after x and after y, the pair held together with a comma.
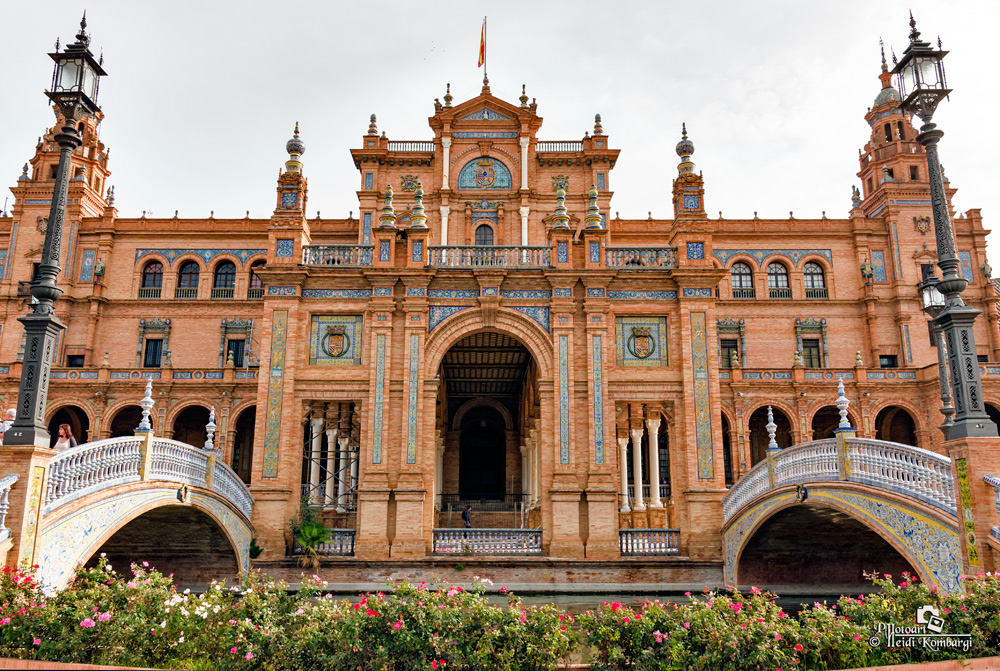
x: 40, y: 332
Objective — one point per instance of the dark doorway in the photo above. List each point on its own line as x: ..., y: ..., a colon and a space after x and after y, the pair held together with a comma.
x: 758, y: 432
x: 994, y: 415
x: 896, y: 425
x: 727, y: 452
x: 189, y: 427
x: 78, y: 424
x: 482, y: 455
x: 126, y: 422
x: 825, y: 422
x: 243, y: 443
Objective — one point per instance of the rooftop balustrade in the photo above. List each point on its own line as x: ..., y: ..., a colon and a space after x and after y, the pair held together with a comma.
x: 558, y: 147
x: 411, y: 145
x: 489, y: 257
x: 337, y: 255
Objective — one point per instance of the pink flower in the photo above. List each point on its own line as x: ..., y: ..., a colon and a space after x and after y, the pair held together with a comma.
x: 104, y: 617
x: 947, y: 610
x: 87, y: 623
x: 299, y: 611
x: 777, y: 637
x: 687, y: 593
x: 798, y: 646
x: 452, y: 592
x: 146, y: 564
x: 782, y: 613
x: 737, y: 607
x: 904, y: 584
x: 131, y: 585
x: 627, y: 620
x: 6, y: 620
x: 503, y: 590
x: 397, y: 625
x: 96, y: 609
x: 962, y: 607
x: 687, y: 625
x: 37, y: 641
x: 249, y: 656
x: 659, y: 636
x: 857, y: 637
x: 434, y: 664
x: 232, y: 650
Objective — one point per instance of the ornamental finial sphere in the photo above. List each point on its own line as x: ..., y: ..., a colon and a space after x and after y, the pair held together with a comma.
x: 685, y: 147
x: 295, y: 145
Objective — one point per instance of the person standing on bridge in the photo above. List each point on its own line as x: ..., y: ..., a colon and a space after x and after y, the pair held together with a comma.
x: 66, y: 439
x: 467, y: 517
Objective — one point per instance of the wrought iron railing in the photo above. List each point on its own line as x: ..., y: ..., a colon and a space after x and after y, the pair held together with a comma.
x: 411, y: 145
x: 489, y: 257
x: 779, y: 292
x: 639, y: 542
x: 340, y: 543
x: 337, y: 255
x: 255, y: 293
x: 904, y: 469
x: 488, y: 541
x: 744, y: 293
x: 89, y: 467
x: 482, y: 502
x: 641, y: 257
x: 558, y: 147
x: 186, y: 293
x: 149, y: 292
x: 5, y: 484
x: 223, y: 292
x: 817, y: 293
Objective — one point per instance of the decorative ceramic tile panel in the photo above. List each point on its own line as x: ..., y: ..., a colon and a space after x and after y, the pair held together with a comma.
x: 416, y: 291
x: 595, y: 293
x: 3, y: 262
x: 598, y: 363
x: 86, y: 266
x: 696, y: 292
x: 485, y: 115
x: 539, y: 313
x: 70, y: 249
x: 696, y: 250
x: 563, y: 293
x: 418, y: 250
x: 491, y: 291
x: 414, y: 391
x: 641, y: 341
x: 562, y: 252
x: 965, y: 510
x: 10, y: 251
x: 895, y: 247
x: 484, y: 135
x: 384, y: 250
x: 642, y: 295
x: 282, y: 291
x: 602, y: 183
x: 544, y: 294
x: 966, y: 259
x: 289, y: 199
x: 275, y: 392
x: 335, y: 340
x: 595, y: 252
x: 702, y: 396
x: 906, y: 341
x: 878, y: 266
x: 452, y: 293
x: 206, y: 254
x: 369, y: 181
x: 284, y: 248
x: 336, y: 293
x: 26, y: 555
x: 795, y: 255
x: 382, y: 291
x: 907, y: 375
x: 379, y: 397
x: 366, y: 232
x: 563, y: 399
x: 691, y: 202
x: 438, y: 313
x: 484, y: 173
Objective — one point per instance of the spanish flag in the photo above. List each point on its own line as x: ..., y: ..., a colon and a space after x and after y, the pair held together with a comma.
x: 482, y: 45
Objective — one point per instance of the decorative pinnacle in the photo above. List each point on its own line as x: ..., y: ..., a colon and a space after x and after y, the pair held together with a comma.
x: 593, y: 218
x: 147, y: 404
x: 57, y: 45
x: 842, y: 403
x: 914, y: 33
x: 523, y: 98
x: 388, y: 218
x: 447, y: 95
x: 684, y: 130
x: 560, y: 218
x: 82, y: 37
x: 881, y: 47
x: 771, y: 427
x: 417, y: 218
x: 598, y: 128
x: 372, y: 126
x: 210, y: 430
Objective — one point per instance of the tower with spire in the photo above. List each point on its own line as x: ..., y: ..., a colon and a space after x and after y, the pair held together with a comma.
x: 689, y: 186
x: 289, y: 230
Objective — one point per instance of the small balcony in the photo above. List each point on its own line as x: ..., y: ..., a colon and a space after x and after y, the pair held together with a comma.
x: 222, y: 293
x: 637, y: 258
x: 255, y: 293
x: 780, y: 292
x: 744, y: 293
x: 186, y: 292
x: 488, y: 256
x: 640, y: 542
x: 337, y: 255
x: 559, y: 147
x: 817, y: 293
x: 149, y: 292
x: 488, y: 541
x: 412, y: 146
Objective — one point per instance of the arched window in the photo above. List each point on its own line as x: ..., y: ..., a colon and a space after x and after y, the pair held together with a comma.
x: 152, y: 275
x: 225, y: 275
x: 777, y: 281
x: 187, y: 280
x: 484, y: 235
x: 256, y: 288
x: 742, y: 278
x: 814, y: 276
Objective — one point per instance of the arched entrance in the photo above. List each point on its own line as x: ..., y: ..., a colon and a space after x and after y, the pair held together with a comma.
x: 994, y: 414
x: 182, y: 540
x: 727, y: 453
x: 78, y: 422
x: 757, y: 427
x: 125, y: 422
x: 488, y: 431
x: 243, y: 443
x: 825, y: 422
x: 840, y: 549
x: 896, y: 425
x: 189, y: 426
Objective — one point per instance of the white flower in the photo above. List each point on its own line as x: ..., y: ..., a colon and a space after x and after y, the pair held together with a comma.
x: 163, y: 624
x: 187, y: 591
x: 180, y: 640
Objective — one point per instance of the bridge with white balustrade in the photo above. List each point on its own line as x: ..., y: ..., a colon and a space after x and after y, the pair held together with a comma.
x: 138, y: 498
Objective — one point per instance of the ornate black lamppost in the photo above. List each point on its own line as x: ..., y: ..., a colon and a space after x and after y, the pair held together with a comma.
x: 75, y: 81
x: 933, y: 303
x: 922, y: 85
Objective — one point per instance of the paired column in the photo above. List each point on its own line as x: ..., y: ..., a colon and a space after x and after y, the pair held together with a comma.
x: 446, y: 163
x: 315, y: 446
x: 652, y: 431
x: 331, y: 464
x: 623, y: 446
x: 637, y: 468
x: 524, y: 162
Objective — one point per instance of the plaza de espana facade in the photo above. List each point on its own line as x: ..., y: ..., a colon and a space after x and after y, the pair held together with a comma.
x: 490, y: 330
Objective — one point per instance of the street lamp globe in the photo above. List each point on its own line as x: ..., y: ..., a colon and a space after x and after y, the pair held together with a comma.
x: 932, y: 298
x: 76, y: 77
x: 920, y: 75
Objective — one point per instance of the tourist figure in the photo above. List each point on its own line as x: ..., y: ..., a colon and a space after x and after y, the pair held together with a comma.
x: 7, y: 423
x: 66, y: 439
x: 467, y: 517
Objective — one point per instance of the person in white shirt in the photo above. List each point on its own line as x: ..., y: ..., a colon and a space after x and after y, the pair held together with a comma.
x: 66, y: 439
x: 7, y: 423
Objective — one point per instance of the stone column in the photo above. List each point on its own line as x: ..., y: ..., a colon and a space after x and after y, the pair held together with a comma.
x: 343, y: 472
x: 652, y: 429
x: 525, y: 211
x: 438, y: 469
x: 637, y: 468
x: 524, y: 163
x: 445, y: 211
x: 623, y: 446
x: 315, y: 445
x: 446, y: 162
x: 331, y: 465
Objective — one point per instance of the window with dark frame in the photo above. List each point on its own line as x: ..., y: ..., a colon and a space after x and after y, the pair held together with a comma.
x: 727, y: 348
x: 914, y: 173
x: 777, y: 276
x: 814, y: 276
x: 255, y: 281
x: 811, y: 357
x: 154, y: 350
x: 983, y: 358
x: 930, y: 333
x: 152, y: 275
x: 225, y: 275
x: 74, y: 360
x: 888, y: 361
x: 187, y: 277
x: 742, y: 276
x: 484, y: 235
x: 235, y: 349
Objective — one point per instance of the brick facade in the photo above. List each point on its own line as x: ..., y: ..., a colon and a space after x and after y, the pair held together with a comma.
x: 617, y: 328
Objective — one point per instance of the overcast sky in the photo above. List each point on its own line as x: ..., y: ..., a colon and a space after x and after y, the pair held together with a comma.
x: 201, y: 96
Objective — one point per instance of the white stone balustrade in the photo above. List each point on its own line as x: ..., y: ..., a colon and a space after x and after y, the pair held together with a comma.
x: 641, y: 257
x: 90, y: 467
x: 5, y: 484
x: 230, y: 486
x: 903, y: 469
x: 649, y: 541
x: 484, y: 256
x: 337, y: 255
x: 993, y: 482
x: 340, y: 543
x: 558, y: 147
x: 412, y: 145
x: 179, y: 462
x: 488, y: 541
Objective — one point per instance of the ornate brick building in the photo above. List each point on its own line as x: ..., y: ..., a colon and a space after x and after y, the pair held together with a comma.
x: 489, y: 330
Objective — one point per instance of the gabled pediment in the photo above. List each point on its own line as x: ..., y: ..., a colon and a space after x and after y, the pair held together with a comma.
x: 485, y: 114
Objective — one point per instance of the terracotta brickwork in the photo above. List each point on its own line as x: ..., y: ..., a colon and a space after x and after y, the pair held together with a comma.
x: 616, y: 336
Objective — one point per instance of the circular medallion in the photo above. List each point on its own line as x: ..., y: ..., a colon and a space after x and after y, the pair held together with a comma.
x: 135, y: 375
x: 197, y: 375
x: 72, y: 376
x: 336, y: 342
x: 641, y: 343
x: 891, y: 376
x: 767, y: 376
x: 485, y: 174
x: 829, y: 376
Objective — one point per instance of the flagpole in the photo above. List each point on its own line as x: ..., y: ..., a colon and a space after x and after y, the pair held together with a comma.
x: 485, y: 76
